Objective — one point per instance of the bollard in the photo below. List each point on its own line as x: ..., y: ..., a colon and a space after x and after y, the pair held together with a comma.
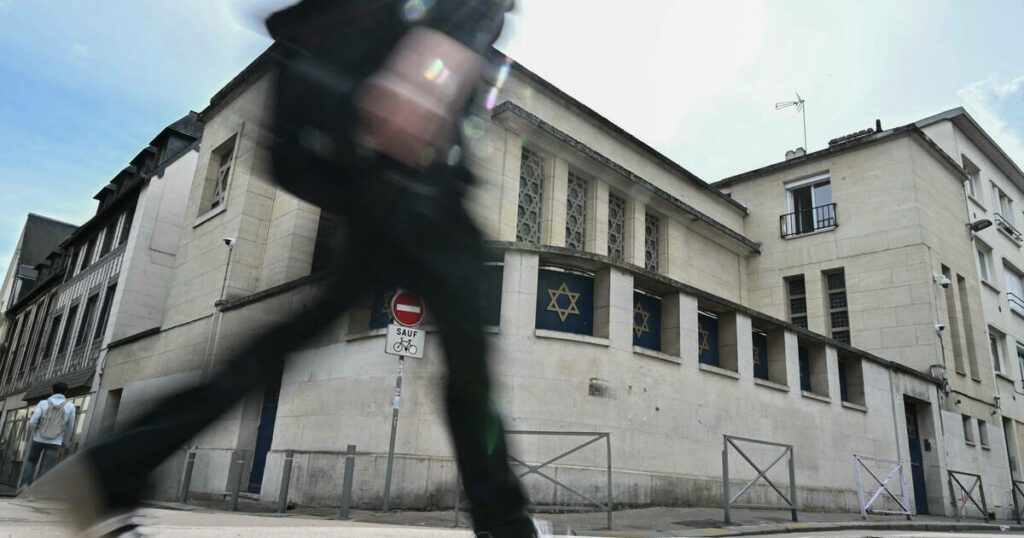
x: 346, y: 488
x: 238, y: 480
x: 190, y: 464
x: 286, y: 476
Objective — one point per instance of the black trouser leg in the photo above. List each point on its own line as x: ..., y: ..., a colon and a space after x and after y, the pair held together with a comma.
x: 448, y: 262
x: 123, y: 461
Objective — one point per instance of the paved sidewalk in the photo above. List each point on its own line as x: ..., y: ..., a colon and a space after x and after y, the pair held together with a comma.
x: 663, y: 522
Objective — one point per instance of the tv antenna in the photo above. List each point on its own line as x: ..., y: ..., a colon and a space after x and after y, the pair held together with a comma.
x: 799, y: 104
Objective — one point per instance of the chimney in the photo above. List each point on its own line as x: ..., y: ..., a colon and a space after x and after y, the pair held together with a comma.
x: 794, y: 153
x: 878, y: 126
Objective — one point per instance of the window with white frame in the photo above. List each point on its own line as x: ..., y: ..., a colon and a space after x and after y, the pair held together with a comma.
x: 809, y: 206
x: 1002, y: 204
x: 838, y: 311
x: 982, y: 433
x: 984, y: 262
x: 1014, y: 291
x: 1020, y: 360
x: 971, y: 185
x: 968, y: 429
x: 995, y: 344
x: 218, y: 175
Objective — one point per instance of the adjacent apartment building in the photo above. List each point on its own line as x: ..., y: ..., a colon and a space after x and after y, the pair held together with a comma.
x: 107, y: 277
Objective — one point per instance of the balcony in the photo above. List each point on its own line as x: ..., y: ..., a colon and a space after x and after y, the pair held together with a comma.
x: 1015, y: 301
x: 1004, y: 225
x: 808, y: 221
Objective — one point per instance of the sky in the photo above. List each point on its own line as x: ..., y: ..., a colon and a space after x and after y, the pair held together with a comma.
x: 86, y: 84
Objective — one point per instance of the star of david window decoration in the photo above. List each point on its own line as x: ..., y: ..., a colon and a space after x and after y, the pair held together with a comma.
x: 760, y: 344
x: 640, y: 318
x: 565, y: 301
x: 566, y: 311
x: 707, y: 339
x: 646, y: 320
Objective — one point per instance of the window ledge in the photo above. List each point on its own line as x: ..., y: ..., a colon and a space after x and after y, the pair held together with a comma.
x: 209, y: 215
x: 366, y: 334
x: 986, y: 447
x: 855, y: 407
x: 717, y: 370
x: 815, y: 232
x: 572, y: 337
x: 1005, y: 377
x: 961, y: 373
x: 771, y: 384
x: 639, y: 350
x: 970, y: 443
x: 818, y: 397
x: 977, y: 202
x: 990, y: 285
x: 975, y: 378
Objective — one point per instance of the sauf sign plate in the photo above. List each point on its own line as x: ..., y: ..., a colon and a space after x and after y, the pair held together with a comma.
x: 405, y: 341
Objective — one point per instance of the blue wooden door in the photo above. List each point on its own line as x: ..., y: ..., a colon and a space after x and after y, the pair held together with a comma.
x: 265, y: 434
x: 916, y: 458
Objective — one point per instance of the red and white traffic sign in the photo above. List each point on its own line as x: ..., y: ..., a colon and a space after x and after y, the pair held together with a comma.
x: 407, y: 309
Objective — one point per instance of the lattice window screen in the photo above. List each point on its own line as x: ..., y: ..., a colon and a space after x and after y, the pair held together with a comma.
x: 576, y: 213
x: 616, y: 227
x: 651, y: 242
x: 531, y: 174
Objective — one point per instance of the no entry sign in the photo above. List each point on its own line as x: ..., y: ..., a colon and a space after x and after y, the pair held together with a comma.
x: 407, y: 309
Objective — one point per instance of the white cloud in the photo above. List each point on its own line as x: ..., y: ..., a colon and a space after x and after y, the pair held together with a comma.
x: 999, y: 106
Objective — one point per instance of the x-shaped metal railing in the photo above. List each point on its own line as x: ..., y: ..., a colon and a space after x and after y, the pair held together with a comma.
x: 902, y: 502
x: 1015, y: 491
x: 968, y: 493
x: 595, y: 505
x: 762, y: 474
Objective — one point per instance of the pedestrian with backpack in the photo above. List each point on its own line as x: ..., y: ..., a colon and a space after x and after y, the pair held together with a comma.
x: 51, y: 426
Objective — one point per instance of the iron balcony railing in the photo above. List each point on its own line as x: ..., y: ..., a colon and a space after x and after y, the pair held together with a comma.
x: 805, y: 221
x: 1016, y: 301
x: 1005, y: 226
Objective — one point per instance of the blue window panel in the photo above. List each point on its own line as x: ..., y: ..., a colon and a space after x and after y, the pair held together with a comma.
x: 843, y: 393
x: 565, y: 302
x: 707, y: 339
x: 490, y: 294
x: 646, y: 321
x: 380, y: 309
x: 805, y: 368
x: 760, y: 356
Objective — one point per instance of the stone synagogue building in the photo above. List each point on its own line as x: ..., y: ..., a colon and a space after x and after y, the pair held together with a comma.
x: 863, y: 299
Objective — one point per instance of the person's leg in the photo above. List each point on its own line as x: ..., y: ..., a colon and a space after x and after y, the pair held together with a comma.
x: 50, y: 456
x: 121, y: 463
x: 447, y: 257
x: 28, y: 471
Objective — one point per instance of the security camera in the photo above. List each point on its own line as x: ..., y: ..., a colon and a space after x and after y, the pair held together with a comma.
x: 939, y: 327
x: 229, y: 241
x: 942, y: 280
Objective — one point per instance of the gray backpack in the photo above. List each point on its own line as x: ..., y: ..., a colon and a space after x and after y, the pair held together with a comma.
x: 54, y: 420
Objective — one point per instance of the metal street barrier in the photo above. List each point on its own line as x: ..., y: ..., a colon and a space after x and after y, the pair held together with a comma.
x: 595, y: 506
x: 1016, y: 490
x: 968, y: 493
x: 727, y: 502
x: 902, y: 502
x: 241, y: 459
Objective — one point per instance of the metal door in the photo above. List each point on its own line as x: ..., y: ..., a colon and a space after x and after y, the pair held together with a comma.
x: 916, y: 458
x: 265, y: 434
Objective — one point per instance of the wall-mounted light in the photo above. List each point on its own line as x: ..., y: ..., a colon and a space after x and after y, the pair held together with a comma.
x: 979, y: 225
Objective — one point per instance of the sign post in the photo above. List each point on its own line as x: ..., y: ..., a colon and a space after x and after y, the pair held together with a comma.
x: 404, y: 340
